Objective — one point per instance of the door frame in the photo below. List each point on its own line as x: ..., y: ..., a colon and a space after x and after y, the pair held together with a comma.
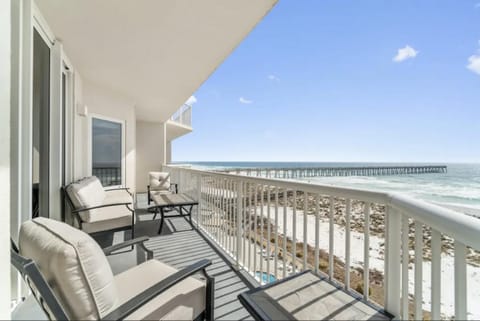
x: 123, y: 144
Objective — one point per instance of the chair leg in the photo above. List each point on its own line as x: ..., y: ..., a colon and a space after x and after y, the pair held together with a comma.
x: 209, y: 309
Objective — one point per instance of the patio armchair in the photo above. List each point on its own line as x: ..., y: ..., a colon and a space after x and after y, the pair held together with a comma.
x: 159, y: 183
x: 71, y: 279
x: 96, y: 209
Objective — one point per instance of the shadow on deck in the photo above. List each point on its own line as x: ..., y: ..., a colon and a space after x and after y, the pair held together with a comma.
x: 179, y: 246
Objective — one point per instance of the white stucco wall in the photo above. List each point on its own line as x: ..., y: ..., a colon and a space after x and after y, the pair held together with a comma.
x: 103, y: 102
x: 150, y: 151
x: 5, y: 159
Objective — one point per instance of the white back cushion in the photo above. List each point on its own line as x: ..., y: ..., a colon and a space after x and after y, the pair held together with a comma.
x: 159, y: 181
x: 74, y: 266
x: 86, y: 192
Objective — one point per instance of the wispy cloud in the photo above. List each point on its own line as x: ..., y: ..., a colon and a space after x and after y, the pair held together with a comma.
x: 190, y: 101
x: 474, y: 62
x: 405, y: 53
x: 273, y: 78
x: 477, y: 5
x: 245, y: 101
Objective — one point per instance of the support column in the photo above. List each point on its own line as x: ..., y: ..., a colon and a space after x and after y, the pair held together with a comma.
x: 5, y: 84
x: 164, y: 143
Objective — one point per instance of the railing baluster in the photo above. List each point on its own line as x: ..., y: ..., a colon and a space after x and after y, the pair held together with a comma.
x: 284, y: 255
x: 317, y: 232
x: 436, y: 284
x: 347, y: 242
x: 199, y: 198
x: 418, y: 270
x: 218, y: 196
x: 244, y: 222
x: 267, y: 250
x: 250, y: 200
x: 231, y: 209
x: 261, y: 230
x: 366, y: 253
x: 255, y: 231
x: 239, y: 208
x: 275, y: 264
x: 223, y: 224
x: 228, y: 215
x: 209, y: 211
x: 392, y: 262
x: 294, y: 234
x: 331, y: 262
x: 305, y: 230
x: 460, y: 281
x: 405, y: 262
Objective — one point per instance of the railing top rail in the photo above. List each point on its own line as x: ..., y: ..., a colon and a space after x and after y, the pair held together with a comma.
x: 459, y: 226
x: 342, y: 192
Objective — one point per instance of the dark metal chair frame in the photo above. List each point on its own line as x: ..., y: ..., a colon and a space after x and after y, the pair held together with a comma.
x: 76, y: 211
x: 45, y: 296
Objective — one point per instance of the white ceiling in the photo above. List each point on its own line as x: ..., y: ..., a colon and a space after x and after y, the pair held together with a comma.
x: 156, y: 52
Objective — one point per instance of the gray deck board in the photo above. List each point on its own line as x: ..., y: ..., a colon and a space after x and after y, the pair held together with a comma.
x: 180, y: 246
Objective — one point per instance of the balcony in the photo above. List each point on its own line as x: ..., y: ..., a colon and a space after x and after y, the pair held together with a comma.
x: 180, y: 123
x: 413, y: 257
x: 183, y: 116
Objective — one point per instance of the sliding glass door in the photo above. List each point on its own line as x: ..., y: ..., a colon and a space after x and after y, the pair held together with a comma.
x: 40, y: 126
x: 107, y: 151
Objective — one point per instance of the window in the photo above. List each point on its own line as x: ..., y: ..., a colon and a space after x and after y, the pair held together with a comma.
x: 107, y: 151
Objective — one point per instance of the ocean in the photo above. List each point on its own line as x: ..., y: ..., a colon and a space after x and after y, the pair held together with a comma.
x: 458, y: 189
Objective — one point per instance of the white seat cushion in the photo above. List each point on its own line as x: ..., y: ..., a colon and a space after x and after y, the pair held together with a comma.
x: 183, y: 301
x: 157, y: 193
x: 74, y: 266
x: 117, y: 196
x: 159, y: 181
x: 108, y: 218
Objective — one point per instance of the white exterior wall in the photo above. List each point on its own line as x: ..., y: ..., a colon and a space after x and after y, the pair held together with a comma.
x: 151, y: 151
x: 5, y: 159
x: 102, y: 102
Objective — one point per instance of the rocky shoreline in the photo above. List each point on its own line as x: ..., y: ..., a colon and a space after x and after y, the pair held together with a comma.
x: 377, y: 223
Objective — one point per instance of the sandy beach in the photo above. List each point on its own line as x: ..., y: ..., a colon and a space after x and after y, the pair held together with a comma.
x: 377, y: 259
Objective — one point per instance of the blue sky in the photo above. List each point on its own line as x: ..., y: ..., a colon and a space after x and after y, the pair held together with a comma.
x: 333, y: 80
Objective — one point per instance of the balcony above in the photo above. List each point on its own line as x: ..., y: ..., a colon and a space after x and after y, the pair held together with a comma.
x: 180, y: 123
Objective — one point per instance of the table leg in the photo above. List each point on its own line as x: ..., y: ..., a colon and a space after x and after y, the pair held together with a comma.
x: 162, y: 218
x: 190, y: 216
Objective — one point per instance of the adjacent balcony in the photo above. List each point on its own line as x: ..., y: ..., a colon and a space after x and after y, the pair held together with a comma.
x: 183, y: 116
x: 180, y: 123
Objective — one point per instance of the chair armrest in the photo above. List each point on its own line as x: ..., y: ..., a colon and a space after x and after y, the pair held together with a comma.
x: 139, y: 240
x: 100, y: 206
x: 119, y: 188
x: 141, y: 299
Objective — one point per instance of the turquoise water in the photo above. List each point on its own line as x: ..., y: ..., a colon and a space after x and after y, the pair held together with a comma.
x: 265, y: 277
x: 459, y: 188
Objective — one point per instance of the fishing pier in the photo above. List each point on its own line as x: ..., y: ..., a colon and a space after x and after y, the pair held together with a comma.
x: 302, y: 172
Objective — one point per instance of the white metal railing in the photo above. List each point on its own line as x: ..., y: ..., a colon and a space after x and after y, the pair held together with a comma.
x: 183, y: 115
x: 399, y: 248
